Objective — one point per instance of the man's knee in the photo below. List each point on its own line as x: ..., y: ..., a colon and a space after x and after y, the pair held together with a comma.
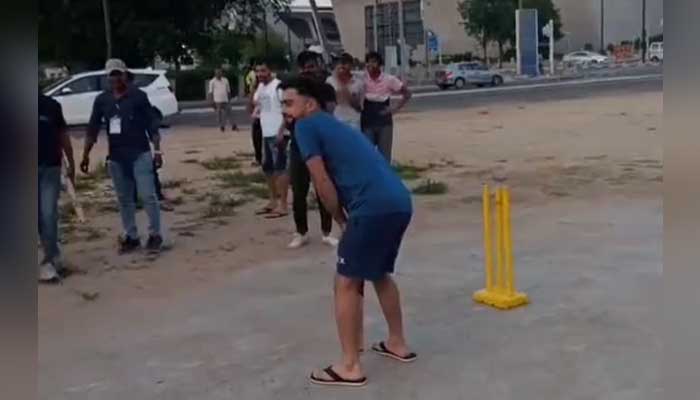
x: 345, y: 284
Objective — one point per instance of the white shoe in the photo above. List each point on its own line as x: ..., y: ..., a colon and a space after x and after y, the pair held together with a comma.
x: 330, y: 241
x: 298, y: 241
x: 47, y: 272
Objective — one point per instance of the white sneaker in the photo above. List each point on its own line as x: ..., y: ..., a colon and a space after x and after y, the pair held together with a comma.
x: 298, y: 241
x: 330, y: 241
x: 47, y: 272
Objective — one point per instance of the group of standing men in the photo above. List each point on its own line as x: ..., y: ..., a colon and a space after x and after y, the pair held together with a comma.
x: 132, y: 127
x: 363, y: 102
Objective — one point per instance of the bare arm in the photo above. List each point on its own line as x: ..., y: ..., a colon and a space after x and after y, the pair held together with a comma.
x: 68, y: 151
x: 326, y: 189
x: 406, y: 96
x: 93, y: 130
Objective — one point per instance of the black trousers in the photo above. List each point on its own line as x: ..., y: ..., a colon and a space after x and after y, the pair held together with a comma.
x: 301, y: 182
x: 257, y: 140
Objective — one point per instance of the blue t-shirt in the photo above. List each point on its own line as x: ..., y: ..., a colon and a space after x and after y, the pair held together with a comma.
x: 366, y: 183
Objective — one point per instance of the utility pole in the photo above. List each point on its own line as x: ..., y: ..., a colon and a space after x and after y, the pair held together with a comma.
x: 402, y: 43
x: 108, y: 27
x: 319, y: 30
x: 602, y: 25
x: 375, y: 25
x: 644, y: 31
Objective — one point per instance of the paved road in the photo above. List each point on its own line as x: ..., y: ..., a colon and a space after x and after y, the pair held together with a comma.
x: 532, y: 92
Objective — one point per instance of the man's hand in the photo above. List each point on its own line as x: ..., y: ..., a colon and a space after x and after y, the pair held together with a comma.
x: 85, y: 164
x: 70, y: 173
x: 157, y: 160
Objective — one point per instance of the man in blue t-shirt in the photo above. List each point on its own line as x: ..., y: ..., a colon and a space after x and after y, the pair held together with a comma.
x: 372, y: 206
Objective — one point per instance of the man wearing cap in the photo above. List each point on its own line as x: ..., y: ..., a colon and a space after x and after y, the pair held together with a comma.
x: 127, y: 115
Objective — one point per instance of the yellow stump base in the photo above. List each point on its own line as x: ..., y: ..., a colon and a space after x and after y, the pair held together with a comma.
x: 500, y: 289
x: 502, y: 301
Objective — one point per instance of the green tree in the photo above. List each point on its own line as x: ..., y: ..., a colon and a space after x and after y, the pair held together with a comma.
x: 546, y: 10
x: 72, y: 31
x: 489, y: 21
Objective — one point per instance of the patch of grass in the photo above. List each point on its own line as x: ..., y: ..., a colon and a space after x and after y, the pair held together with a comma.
x: 177, y: 201
x: 259, y: 191
x: 192, y: 152
x: 221, y: 164
x: 190, y: 161
x: 221, y: 206
x: 430, y: 187
x: 92, y: 234
x: 66, y: 214
x: 85, y: 184
x: 245, y: 155
x: 409, y: 172
x: 107, y: 207
x: 173, y: 183
x: 239, y: 179
x: 189, y: 191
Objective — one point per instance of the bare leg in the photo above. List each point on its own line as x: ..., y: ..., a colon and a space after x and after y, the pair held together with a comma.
x: 360, y: 319
x: 283, y: 192
x: 390, y: 300
x: 347, y: 313
x: 272, y: 186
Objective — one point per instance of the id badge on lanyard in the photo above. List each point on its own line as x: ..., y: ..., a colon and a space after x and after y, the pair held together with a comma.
x: 115, y: 124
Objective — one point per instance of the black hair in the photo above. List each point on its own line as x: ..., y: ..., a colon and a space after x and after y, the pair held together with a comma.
x: 374, y: 56
x: 306, y: 57
x: 305, y: 87
x: 346, y: 58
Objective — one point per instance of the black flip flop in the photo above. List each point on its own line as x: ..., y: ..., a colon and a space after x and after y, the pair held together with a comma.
x: 336, y: 380
x: 264, y: 210
x: 276, y: 215
x: 381, y: 349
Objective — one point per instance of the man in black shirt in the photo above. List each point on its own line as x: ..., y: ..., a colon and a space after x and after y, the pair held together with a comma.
x: 310, y: 67
x: 53, y: 142
x: 130, y: 122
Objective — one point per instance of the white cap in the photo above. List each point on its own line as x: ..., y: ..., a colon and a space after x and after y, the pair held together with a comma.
x: 115, y: 64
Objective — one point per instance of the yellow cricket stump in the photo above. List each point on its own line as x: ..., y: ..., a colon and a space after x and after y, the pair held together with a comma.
x: 500, y: 291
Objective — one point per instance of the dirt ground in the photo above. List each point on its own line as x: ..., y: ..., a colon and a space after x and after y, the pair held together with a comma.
x: 548, y: 153
x: 556, y: 157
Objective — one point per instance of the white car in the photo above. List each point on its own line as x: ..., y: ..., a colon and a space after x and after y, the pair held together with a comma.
x: 77, y: 93
x: 585, y: 57
x: 656, y: 52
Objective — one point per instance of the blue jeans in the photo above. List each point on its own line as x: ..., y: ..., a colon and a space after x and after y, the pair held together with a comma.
x: 137, y: 177
x: 49, y: 190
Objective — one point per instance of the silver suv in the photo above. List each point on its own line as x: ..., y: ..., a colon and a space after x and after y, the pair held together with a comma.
x: 458, y: 75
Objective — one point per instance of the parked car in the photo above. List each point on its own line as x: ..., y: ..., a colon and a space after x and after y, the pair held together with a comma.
x: 77, y: 93
x: 585, y: 57
x: 656, y: 52
x: 458, y: 75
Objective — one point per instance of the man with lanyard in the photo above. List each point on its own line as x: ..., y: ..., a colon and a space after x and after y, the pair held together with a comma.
x: 309, y: 66
x: 349, y: 92
x: 53, y: 143
x: 373, y: 208
x: 377, y: 111
x: 130, y: 122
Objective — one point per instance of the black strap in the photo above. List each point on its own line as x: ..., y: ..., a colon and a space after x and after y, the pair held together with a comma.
x: 329, y: 371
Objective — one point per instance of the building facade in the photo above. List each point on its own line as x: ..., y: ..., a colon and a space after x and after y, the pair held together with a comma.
x: 581, y: 21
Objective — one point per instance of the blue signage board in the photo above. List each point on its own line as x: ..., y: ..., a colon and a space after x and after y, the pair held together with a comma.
x: 527, y: 42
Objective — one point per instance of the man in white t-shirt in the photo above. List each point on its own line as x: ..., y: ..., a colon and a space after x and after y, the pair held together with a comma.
x: 268, y: 101
x: 220, y: 95
x: 349, y: 92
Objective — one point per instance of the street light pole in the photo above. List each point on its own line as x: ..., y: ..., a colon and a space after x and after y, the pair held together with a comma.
x: 402, y: 43
x: 375, y: 25
x: 319, y: 30
x: 108, y: 27
x: 644, y: 31
x: 602, y: 25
